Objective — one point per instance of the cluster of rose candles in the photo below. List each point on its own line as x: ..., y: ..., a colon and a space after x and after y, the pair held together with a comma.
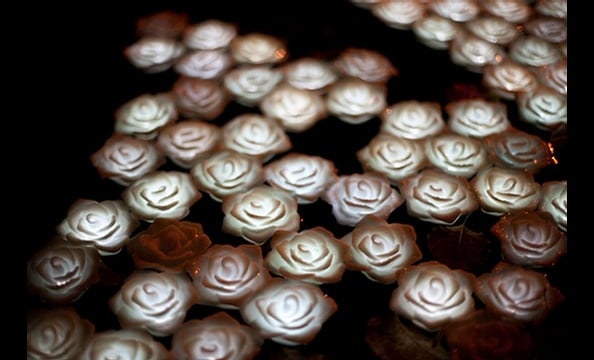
x: 438, y: 164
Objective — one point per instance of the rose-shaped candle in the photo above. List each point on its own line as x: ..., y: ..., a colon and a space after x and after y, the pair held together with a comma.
x: 435, y: 31
x: 187, y: 141
x: 304, y: 176
x: 168, y: 245
x: 514, y: 11
x: 365, y: 64
x: 477, y: 117
x: 310, y: 73
x: 530, y: 238
x: 227, y: 172
x: 399, y: 14
x: 125, y: 159
x: 554, y: 76
x: 199, y: 98
x: 432, y: 295
x: 204, y: 64
x: 162, y: 194
x: 500, y: 190
x: 456, y: 154
x: 288, y: 312
x: 554, y: 201
x: 354, y: 196
x: 154, y: 301
x: 154, y: 54
x: 313, y: 255
x: 554, y: 8
x: 517, y: 149
x: 380, y: 249
x: 248, y: 84
x: 509, y: 78
x: 356, y: 101
x: 534, y: 51
x: 132, y: 344
x: 259, y: 212
x: 296, y: 109
x: 543, y: 107
x: 493, y: 29
x: 435, y: 196
x: 473, y: 53
x: 61, y: 272
x: 258, y: 48
x: 209, y: 34
x: 217, y: 337
x: 255, y: 134
x: 57, y: 333
x: 515, y: 292
x: 226, y: 276
x: 458, y: 10
x: 104, y: 225
x: 144, y: 115
x: 412, y: 119
x: 482, y: 336
x: 550, y: 29
x: 392, y: 156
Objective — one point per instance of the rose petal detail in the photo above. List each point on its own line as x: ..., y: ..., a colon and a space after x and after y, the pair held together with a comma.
x: 530, y: 239
x: 204, y: 64
x: 515, y: 292
x: 380, y: 249
x: 355, y: 196
x: 493, y: 29
x: 313, y: 255
x: 154, y: 301
x: 209, y: 34
x: 432, y: 295
x: 392, y: 156
x: 304, y: 176
x: 162, y: 194
x: 258, y: 48
x: 554, y: 201
x: 188, y: 141
x: 543, y: 107
x: 154, y: 54
x: 227, y: 172
x: 288, y: 312
x: 435, y: 196
x: 144, y: 115
x: 199, y: 98
x: 310, y: 73
x: 412, y: 119
x: 356, y: 101
x: 226, y: 276
x: 477, y: 117
x: 500, y: 190
x: 259, y: 212
x: 125, y: 159
x: 456, y: 154
x: 249, y: 84
x: 57, y: 333
x: 256, y: 135
x: 365, y: 64
x: 133, y: 344
x: 297, y: 110
x: 60, y: 272
x: 218, y: 336
x: 105, y: 225
x: 435, y: 31
x: 168, y: 245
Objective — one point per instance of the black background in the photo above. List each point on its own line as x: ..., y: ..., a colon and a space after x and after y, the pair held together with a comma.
x: 78, y: 76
